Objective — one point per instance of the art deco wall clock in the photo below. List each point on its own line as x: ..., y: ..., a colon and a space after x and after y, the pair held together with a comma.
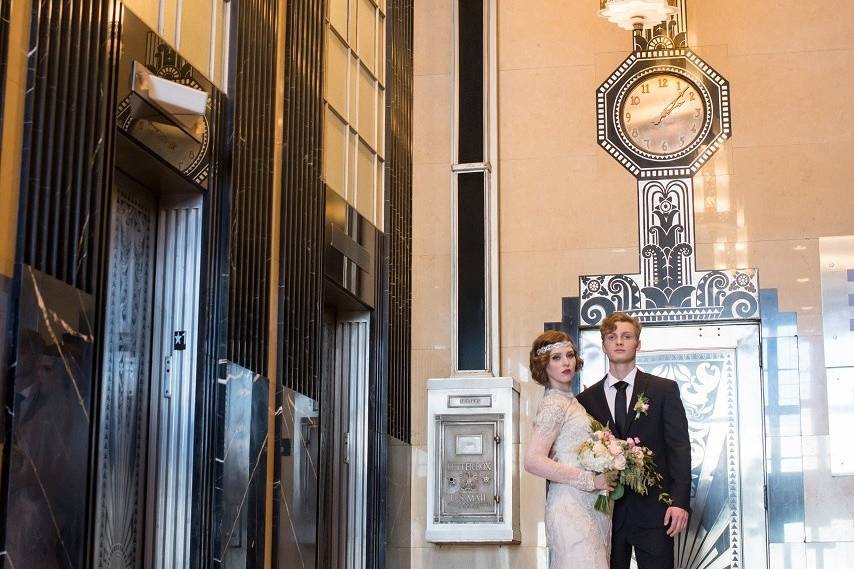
x: 663, y: 113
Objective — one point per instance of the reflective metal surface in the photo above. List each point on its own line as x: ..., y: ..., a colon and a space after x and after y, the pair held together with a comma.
x: 174, y: 362
x: 298, y: 423
x: 126, y: 367
x: 472, y: 460
x: 837, y: 299
x: 468, y: 485
x: 840, y: 397
x: 717, y: 368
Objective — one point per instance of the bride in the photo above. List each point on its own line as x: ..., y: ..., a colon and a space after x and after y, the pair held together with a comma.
x: 577, y: 534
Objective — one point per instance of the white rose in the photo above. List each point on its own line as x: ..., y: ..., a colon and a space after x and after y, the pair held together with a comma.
x: 620, y: 462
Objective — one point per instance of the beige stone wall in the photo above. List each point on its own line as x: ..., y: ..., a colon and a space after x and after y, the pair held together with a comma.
x: 195, y: 28
x: 12, y: 132
x: 567, y: 208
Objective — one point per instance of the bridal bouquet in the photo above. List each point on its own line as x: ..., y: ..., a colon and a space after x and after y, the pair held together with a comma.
x: 631, y: 462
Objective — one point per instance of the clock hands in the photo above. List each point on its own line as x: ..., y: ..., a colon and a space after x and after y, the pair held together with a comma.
x: 675, y: 103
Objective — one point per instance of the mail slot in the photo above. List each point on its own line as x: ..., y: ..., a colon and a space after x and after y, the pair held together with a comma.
x: 473, y: 460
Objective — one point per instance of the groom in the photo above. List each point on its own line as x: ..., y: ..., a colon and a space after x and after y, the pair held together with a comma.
x: 637, y: 404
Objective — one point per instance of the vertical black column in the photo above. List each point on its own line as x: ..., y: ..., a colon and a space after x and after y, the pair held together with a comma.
x: 471, y: 261
x: 253, y: 85
x: 301, y: 241
x: 55, y: 314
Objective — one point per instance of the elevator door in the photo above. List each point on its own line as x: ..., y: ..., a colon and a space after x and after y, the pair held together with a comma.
x: 173, y: 382
x: 720, y: 381
x: 344, y: 416
x: 144, y: 471
x: 120, y: 514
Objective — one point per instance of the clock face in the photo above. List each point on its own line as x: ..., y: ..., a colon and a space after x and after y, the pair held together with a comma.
x: 662, y: 113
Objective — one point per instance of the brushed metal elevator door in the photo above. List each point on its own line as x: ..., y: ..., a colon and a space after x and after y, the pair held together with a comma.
x: 120, y: 504
x: 344, y: 420
x: 720, y: 380
x: 173, y: 382
x: 147, y: 405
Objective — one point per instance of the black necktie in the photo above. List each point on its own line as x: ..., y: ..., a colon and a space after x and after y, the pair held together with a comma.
x: 620, y: 413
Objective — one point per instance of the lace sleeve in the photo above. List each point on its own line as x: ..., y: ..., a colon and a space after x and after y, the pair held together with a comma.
x: 538, y: 460
x: 550, y: 416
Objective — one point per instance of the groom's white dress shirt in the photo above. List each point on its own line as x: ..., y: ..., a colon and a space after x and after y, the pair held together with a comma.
x: 611, y: 391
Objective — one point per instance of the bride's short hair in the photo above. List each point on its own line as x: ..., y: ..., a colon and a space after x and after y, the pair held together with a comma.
x: 538, y: 362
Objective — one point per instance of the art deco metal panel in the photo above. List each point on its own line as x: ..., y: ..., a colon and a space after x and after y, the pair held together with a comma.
x: 717, y: 369
x: 126, y: 373
x: 301, y: 284
x: 173, y: 380
x: 67, y: 139
x: 668, y: 288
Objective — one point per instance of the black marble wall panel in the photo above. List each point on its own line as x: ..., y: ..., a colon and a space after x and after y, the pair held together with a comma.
x: 295, y: 489
x: 568, y: 324
x: 242, y: 472
x: 51, y: 406
x: 5, y: 336
x: 68, y: 131
x: 253, y: 86
x: 303, y: 200
x: 398, y: 213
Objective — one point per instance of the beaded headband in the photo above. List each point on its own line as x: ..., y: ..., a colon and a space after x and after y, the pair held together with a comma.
x: 550, y: 347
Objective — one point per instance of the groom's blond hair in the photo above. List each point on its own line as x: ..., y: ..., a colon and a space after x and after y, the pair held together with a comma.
x: 610, y: 323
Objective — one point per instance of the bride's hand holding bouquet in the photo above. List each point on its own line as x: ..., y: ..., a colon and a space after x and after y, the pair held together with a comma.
x: 624, y: 461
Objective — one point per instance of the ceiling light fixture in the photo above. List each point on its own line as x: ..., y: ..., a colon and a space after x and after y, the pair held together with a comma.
x: 636, y: 14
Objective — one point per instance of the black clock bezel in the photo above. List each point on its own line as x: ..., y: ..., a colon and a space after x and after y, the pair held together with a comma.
x: 679, y: 164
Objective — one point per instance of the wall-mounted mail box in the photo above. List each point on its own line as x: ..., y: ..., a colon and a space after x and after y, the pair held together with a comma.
x: 473, y: 460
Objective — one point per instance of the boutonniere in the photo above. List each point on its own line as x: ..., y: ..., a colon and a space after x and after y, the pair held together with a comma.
x: 642, y: 405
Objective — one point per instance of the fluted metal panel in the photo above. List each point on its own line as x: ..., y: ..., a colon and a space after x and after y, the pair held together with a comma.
x: 399, y: 215
x: 67, y: 143
x: 254, y: 103
x: 301, y: 284
x: 352, y: 370
x: 175, y: 360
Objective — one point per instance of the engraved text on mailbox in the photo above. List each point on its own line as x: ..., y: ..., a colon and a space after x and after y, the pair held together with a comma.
x: 469, y: 480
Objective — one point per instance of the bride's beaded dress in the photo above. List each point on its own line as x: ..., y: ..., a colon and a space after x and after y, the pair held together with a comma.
x: 578, y: 536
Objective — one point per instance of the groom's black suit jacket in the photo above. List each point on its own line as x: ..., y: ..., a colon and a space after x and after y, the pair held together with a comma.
x: 664, y: 429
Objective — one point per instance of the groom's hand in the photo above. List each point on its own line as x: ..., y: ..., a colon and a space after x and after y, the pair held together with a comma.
x: 677, y: 519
